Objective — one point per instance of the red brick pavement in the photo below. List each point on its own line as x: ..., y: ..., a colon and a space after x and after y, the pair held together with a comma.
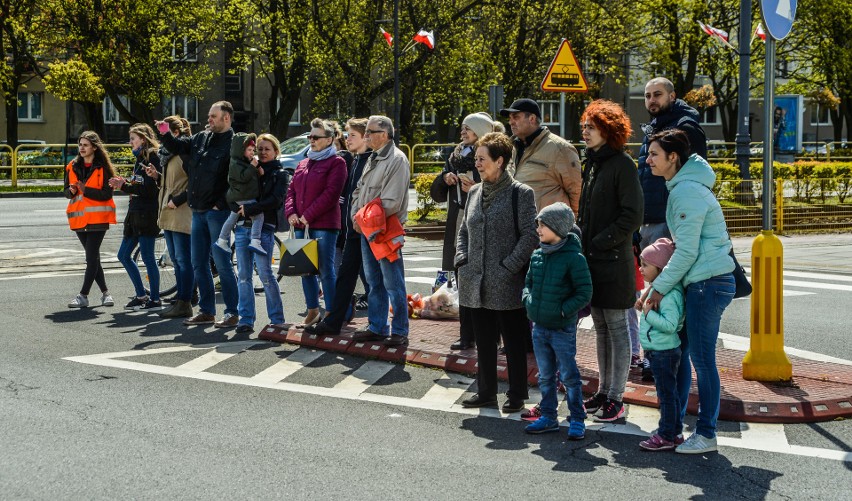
x: 819, y: 391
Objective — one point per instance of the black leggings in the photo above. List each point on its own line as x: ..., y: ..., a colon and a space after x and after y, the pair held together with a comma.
x: 91, y: 241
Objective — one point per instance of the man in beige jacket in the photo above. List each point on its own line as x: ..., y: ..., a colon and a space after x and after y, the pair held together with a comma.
x: 542, y: 160
x: 386, y: 177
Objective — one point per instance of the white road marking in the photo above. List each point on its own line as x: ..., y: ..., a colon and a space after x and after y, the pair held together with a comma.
x: 741, y: 343
x: 420, y: 280
x: 817, y: 285
x: 433, y: 269
x: 763, y: 434
x: 295, y: 361
x: 365, y: 376
x: 211, y: 358
x: 420, y: 258
x: 640, y: 420
x: 448, y: 389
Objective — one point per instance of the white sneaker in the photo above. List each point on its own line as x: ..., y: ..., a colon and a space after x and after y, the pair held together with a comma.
x: 224, y: 245
x: 256, y: 247
x: 106, y: 300
x: 697, y: 444
x: 80, y: 301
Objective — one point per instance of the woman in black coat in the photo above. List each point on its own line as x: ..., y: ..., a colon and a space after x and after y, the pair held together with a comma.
x: 611, y: 210
x: 452, y: 186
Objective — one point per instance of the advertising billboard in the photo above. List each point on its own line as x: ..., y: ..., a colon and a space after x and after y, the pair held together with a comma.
x: 787, y: 123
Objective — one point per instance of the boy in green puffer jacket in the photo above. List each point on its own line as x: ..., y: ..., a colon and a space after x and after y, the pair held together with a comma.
x: 658, y: 334
x: 558, y: 285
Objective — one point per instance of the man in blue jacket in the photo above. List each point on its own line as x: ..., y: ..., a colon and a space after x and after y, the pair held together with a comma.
x: 667, y: 112
x: 207, y: 169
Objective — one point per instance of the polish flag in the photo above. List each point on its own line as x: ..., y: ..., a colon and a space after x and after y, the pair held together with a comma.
x: 388, y: 37
x: 714, y: 32
x: 759, y: 32
x: 425, y: 37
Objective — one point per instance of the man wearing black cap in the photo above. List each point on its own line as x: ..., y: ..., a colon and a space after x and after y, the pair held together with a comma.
x: 543, y: 161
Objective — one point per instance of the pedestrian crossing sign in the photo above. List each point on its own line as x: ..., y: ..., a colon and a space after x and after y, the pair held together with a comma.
x: 564, y: 74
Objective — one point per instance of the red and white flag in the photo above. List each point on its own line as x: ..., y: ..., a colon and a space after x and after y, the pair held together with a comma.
x: 388, y: 37
x: 759, y: 32
x: 714, y: 32
x: 427, y: 38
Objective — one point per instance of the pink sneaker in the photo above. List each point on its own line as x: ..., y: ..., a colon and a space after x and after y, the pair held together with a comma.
x: 532, y: 414
x: 657, y: 443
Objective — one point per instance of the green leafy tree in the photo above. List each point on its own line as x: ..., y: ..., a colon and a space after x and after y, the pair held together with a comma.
x: 19, y: 63
x: 133, y: 49
x: 277, y: 36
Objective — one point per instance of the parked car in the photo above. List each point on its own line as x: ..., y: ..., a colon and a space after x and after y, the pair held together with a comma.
x: 294, y: 150
x: 5, y: 158
x: 720, y: 149
x: 49, y: 155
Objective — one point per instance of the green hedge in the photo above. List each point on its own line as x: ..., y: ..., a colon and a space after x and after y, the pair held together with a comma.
x: 809, y: 179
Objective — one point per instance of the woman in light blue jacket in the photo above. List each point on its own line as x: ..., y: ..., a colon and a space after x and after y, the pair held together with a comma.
x: 702, y: 265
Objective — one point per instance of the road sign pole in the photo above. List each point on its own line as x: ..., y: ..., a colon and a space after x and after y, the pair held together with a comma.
x: 768, y: 139
x: 562, y: 119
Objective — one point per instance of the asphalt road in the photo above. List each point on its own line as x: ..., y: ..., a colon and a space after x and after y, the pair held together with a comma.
x: 86, y: 414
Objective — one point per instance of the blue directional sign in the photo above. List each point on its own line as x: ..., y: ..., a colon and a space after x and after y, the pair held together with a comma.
x: 778, y: 16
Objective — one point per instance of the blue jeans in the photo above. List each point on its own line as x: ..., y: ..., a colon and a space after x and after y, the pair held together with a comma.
x: 650, y: 233
x: 665, y: 364
x: 146, y: 249
x: 557, y: 349
x: 247, y: 261
x: 326, y: 249
x: 705, y: 303
x: 206, y: 226
x: 178, y: 245
x: 386, y: 279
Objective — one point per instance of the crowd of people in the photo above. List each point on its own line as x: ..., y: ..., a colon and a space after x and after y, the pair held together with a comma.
x: 534, y: 238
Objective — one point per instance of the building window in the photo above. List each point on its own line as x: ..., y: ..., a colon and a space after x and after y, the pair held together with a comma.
x: 184, y: 50
x: 710, y: 116
x: 427, y: 117
x: 549, y: 112
x: 111, y: 115
x: 29, y: 106
x: 820, y: 115
x: 296, y: 118
x: 185, y: 106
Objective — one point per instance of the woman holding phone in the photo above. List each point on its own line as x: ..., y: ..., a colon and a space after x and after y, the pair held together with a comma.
x: 140, y: 224
x: 452, y: 186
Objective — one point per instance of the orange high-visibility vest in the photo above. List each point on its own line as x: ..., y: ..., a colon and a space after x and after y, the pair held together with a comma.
x: 83, y: 211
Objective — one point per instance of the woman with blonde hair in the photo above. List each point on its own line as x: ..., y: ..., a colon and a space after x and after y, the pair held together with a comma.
x: 140, y: 223
x: 175, y: 219
x: 90, y: 211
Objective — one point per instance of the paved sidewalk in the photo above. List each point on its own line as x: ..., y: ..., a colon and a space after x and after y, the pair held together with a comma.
x: 819, y: 391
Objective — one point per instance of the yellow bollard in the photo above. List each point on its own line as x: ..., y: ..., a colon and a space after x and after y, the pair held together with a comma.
x: 766, y: 360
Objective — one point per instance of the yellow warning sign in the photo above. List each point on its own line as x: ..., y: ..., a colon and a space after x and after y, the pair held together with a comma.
x: 564, y: 74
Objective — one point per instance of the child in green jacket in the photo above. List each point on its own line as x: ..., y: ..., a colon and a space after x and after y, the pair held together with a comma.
x: 558, y: 285
x: 658, y: 334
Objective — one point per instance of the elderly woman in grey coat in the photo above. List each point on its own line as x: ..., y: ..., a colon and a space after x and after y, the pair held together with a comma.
x: 496, y: 239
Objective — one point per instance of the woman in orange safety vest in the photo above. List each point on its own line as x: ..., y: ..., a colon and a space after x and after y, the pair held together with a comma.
x: 90, y: 210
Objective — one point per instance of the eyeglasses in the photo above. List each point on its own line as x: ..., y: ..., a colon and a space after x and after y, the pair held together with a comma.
x: 371, y: 131
x: 317, y: 138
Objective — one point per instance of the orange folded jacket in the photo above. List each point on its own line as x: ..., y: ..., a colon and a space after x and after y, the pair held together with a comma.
x: 385, y: 234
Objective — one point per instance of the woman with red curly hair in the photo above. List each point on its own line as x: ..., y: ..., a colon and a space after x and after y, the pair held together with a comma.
x: 611, y: 209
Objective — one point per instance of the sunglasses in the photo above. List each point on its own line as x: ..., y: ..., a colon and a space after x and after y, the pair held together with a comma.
x: 371, y: 131
x: 317, y: 138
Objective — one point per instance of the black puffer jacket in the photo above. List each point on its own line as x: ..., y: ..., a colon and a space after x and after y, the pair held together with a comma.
x: 207, y: 167
x: 679, y: 116
x: 610, y: 212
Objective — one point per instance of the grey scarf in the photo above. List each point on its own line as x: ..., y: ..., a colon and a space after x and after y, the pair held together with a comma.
x: 490, y: 190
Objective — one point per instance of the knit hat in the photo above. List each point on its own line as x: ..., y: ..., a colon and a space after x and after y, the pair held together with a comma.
x: 658, y: 253
x: 480, y: 123
x: 250, y: 140
x: 558, y: 217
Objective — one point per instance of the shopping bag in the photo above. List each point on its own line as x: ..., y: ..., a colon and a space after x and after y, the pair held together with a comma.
x: 299, y: 256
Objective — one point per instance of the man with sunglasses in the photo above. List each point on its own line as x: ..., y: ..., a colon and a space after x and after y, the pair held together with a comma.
x: 385, y: 177
x: 667, y: 112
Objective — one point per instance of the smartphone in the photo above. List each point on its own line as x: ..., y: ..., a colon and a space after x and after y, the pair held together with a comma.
x: 466, y: 176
